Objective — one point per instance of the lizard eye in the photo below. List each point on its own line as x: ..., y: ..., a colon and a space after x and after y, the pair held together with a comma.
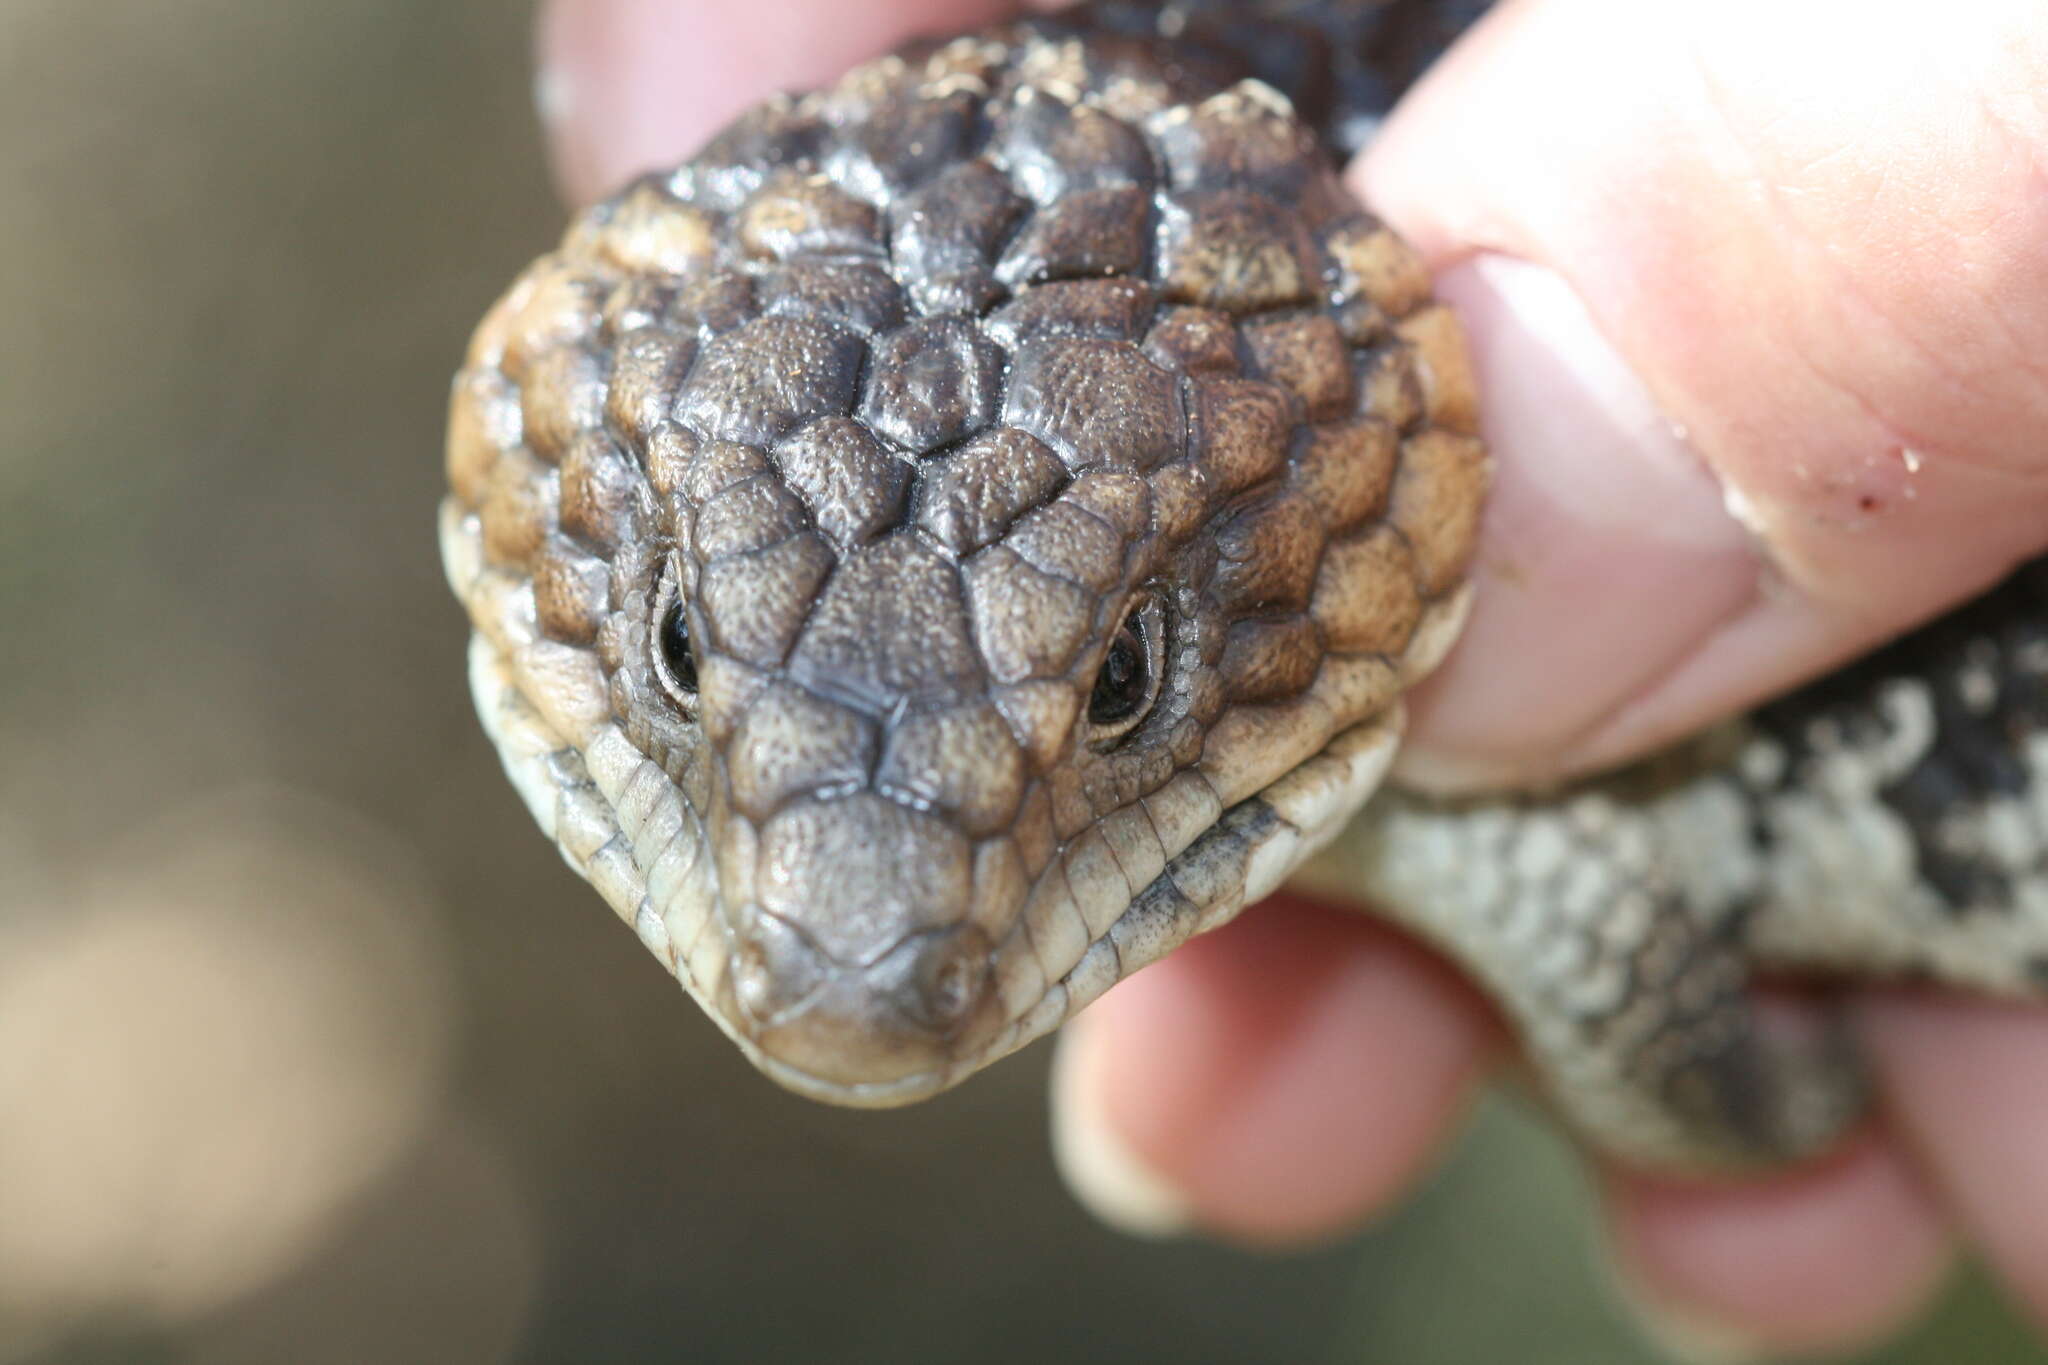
x: 1127, y: 682
x: 677, y: 665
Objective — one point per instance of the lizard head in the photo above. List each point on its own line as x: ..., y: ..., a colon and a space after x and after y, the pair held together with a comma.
x: 918, y: 595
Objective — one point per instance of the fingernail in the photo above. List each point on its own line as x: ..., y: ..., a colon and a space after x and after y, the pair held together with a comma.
x: 1682, y: 1333
x: 1109, y: 1179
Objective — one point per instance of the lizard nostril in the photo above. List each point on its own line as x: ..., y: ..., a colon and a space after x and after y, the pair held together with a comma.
x: 772, y: 968
x: 949, y: 978
x: 838, y: 1024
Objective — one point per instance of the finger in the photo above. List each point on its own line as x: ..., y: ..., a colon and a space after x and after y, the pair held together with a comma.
x: 629, y: 85
x: 1823, y: 1259
x: 1761, y: 338
x: 1271, y: 1082
x: 1964, y: 1081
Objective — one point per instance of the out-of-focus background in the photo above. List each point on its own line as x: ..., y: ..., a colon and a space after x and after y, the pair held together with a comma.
x: 310, y: 1049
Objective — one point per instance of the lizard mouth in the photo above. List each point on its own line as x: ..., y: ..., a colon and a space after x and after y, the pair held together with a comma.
x: 1237, y: 860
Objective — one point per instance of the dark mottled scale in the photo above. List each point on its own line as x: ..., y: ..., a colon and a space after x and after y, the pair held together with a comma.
x: 904, y: 330
x: 750, y: 149
x: 1984, y: 672
x: 944, y: 235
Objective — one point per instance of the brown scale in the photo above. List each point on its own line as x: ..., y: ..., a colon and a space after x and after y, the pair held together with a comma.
x: 918, y: 395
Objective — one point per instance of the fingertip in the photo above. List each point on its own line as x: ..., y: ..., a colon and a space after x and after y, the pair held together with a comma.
x: 1278, y: 1079
x: 1865, y: 489
x: 598, y: 97
x: 1109, y: 1179
x: 1962, y: 1080
x: 1829, y: 1257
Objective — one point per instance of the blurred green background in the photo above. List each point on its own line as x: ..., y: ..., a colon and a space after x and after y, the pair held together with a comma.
x: 310, y: 1049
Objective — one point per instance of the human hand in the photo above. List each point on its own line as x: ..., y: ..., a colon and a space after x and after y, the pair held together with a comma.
x: 1811, y: 237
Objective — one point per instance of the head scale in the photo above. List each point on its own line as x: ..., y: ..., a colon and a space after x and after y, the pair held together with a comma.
x: 958, y: 536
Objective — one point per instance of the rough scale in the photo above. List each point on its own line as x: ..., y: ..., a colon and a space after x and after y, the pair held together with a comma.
x: 969, y: 529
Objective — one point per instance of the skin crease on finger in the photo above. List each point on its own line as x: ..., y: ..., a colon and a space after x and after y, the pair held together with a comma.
x: 634, y: 83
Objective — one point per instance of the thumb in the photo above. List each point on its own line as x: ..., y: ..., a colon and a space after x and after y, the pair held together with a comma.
x: 1759, y: 294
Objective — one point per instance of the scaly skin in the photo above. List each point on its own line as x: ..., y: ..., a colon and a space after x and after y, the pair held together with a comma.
x: 934, y: 409
x: 913, y: 393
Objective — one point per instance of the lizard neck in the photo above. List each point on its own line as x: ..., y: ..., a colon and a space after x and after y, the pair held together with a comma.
x: 1343, y: 63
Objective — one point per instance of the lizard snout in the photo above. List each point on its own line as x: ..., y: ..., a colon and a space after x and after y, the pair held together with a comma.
x: 855, y: 963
